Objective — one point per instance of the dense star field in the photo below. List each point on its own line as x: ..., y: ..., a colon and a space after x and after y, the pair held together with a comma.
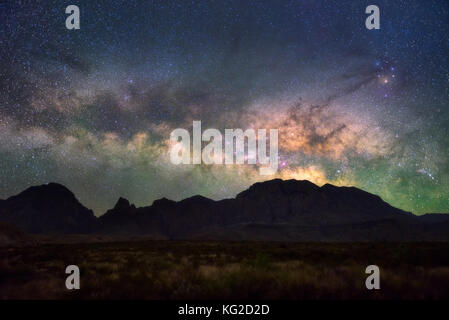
x: 93, y: 108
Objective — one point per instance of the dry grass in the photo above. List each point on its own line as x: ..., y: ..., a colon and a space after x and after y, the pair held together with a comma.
x: 205, y: 270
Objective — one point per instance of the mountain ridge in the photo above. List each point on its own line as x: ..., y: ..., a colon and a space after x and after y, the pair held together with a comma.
x: 276, y: 209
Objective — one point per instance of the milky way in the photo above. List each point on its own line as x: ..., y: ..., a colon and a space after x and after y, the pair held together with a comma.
x: 93, y: 108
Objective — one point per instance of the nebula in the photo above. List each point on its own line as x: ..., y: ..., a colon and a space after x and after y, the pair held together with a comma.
x: 93, y: 108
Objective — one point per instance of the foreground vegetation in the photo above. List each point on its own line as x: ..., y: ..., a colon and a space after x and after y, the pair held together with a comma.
x: 209, y: 270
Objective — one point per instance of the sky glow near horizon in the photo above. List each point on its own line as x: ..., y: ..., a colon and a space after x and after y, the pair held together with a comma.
x: 93, y: 108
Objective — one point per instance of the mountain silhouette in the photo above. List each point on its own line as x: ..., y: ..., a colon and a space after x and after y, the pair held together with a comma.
x: 50, y: 208
x: 281, y: 210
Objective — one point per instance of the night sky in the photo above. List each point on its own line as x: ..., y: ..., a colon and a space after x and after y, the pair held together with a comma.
x: 93, y: 108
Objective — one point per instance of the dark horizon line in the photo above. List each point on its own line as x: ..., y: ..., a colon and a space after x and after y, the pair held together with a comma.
x: 199, y: 195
